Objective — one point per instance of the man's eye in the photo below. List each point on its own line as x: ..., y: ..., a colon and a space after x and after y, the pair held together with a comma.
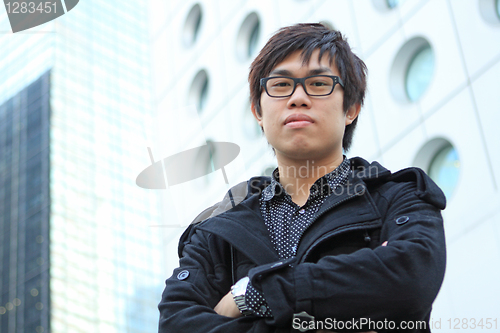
x: 319, y: 83
x: 281, y: 84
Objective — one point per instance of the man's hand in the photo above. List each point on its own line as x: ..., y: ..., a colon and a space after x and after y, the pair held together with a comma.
x: 227, y: 307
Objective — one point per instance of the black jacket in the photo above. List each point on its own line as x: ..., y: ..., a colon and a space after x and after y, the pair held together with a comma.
x: 340, y: 272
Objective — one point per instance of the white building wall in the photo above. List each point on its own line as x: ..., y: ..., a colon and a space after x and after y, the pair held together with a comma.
x: 461, y: 105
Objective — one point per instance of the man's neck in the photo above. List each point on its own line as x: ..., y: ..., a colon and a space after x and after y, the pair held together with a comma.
x: 297, y: 176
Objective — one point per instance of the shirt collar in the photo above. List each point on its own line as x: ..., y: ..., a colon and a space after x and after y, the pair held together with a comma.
x: 333, y: 179
x: 270, y: 191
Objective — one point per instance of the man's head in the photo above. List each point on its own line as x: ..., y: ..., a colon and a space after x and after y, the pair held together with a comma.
x: 328, y: 47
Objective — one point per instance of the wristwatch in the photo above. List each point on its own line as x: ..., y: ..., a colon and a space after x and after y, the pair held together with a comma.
x: 239, y: 290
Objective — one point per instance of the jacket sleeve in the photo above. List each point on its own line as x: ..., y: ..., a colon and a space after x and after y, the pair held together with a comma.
x: 395, y: 282
x: 194, y: 289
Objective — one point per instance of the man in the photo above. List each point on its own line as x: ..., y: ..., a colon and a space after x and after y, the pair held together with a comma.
x: 328, y: 243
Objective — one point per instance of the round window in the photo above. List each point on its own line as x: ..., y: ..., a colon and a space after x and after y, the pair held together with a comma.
x: 440, y: 160
x: 419, y: 73
x: 444, y: 169
x: 254, y: 38
x: 248, y: 37
x: 412, y: 70
x: 202, y: 100
x: 392, y: 3
x: 203, y: 166
x: 210, y: 157
x: 192, y: 25
x: 386, y: 5
x: 490, y: 11
x: 198, y: 93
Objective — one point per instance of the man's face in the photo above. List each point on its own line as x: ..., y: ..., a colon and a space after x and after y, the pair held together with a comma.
x: 318, y: 129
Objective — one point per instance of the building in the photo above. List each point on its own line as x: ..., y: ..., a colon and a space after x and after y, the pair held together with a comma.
x: 78, y: 252
x: 24, y: 202
x: 432, y: 102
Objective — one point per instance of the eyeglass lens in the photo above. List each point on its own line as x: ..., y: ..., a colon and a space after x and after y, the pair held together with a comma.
x: 314, y: 86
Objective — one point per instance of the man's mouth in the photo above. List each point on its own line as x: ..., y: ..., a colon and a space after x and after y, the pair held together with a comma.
x: 297, y: 120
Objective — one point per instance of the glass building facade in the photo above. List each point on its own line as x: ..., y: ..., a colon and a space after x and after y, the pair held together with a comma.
x: 24, y: 209
x: 74, y: 225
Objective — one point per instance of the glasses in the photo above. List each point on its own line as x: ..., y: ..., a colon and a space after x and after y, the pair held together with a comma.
x: 316, y: 85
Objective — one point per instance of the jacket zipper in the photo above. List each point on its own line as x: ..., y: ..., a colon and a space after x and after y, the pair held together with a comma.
x: 316, y: 217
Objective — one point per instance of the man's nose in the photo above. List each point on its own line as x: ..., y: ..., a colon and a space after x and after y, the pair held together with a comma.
x: 299, y: 97
x: 299, y: 85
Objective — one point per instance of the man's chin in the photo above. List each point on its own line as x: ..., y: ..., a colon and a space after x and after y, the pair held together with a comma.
x: 299, y: 153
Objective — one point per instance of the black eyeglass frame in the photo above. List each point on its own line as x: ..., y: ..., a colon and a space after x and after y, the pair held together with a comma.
x: 302, y: 81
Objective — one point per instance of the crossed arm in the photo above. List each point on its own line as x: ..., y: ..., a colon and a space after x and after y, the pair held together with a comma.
x: 227, y: 306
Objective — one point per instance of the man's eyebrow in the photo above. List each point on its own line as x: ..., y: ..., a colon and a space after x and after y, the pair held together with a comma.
x: 316, y: 71
x: 320, y: 70
x: 283, y: 72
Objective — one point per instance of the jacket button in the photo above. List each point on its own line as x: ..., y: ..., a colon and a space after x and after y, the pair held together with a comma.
x: 402, y: 220
x: 183, y: 275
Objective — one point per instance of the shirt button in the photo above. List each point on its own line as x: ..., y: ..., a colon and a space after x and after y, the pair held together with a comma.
x: 302, y: 211
x: 263, y: 309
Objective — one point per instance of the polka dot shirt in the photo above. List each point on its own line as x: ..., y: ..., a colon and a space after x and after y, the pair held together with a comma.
x: 286, y: 221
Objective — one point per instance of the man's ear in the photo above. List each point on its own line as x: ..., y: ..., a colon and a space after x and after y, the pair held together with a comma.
x: 352, y: 113
x: 255, y: 114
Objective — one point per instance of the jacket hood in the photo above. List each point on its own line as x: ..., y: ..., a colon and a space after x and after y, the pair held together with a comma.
x: 427, y: 189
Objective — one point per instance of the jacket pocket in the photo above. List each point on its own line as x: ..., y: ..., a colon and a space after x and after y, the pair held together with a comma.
x: 344, y: 243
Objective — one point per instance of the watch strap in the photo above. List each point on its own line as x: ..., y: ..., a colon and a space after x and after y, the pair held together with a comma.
x: 239, y: 296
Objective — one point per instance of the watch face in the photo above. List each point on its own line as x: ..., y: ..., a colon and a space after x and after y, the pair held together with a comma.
x: 240, y: 287
x: 237, y: 290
